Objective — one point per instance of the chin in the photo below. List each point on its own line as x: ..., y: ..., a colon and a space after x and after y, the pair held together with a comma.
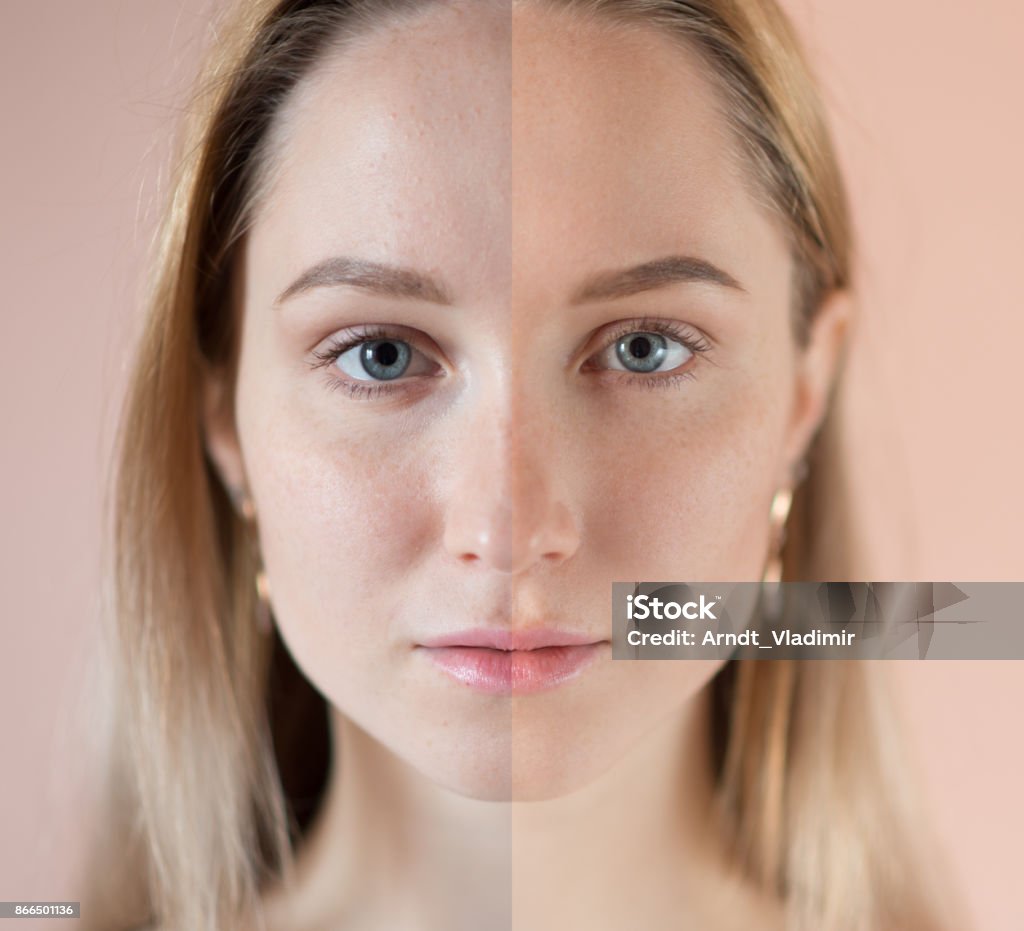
x: 516, y: 765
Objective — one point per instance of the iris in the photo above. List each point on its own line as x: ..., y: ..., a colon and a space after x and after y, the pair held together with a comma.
x: 642, y: 352
x: 385, y: 359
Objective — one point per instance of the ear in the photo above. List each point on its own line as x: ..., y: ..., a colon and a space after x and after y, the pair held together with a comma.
x: 220, y: 434
x: 817, y: 367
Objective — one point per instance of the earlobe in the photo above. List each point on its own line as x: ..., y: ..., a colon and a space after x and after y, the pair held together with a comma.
x: 220, y: 436
x: 818, y: 367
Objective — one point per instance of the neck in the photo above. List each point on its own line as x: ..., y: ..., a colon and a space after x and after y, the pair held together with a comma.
x: 393, y: 849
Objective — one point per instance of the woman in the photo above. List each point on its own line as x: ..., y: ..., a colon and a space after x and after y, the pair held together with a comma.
x: 462, y: 311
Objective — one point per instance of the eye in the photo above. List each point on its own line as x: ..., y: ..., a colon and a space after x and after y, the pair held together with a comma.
x: 648, y: 352
x: 644, y: 352
x: 372, y: 359
x: 376, y: 360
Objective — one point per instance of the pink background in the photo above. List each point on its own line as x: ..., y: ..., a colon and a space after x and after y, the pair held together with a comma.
x: 925, y: 103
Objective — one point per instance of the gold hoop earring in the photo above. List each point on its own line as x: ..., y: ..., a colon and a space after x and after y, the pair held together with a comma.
x: 771, y: 594
x: 782, y: 501
x: 263, y: 620
x: 247, y: 509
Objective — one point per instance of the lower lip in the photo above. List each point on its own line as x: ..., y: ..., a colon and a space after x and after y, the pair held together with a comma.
x: 513, y: 672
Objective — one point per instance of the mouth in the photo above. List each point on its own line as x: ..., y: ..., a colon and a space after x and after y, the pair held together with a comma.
x: 512, y: 662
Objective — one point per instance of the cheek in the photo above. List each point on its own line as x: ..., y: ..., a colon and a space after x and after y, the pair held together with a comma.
x: 342, y: 518
x: 687, y: 486
x: 342, y: 515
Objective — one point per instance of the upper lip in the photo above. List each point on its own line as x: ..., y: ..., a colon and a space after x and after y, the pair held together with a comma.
x: 505, y: 639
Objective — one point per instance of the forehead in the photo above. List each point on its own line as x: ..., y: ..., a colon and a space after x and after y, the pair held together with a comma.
x: 621, y: 145
x: 470, y: 133
x: 396, y: 141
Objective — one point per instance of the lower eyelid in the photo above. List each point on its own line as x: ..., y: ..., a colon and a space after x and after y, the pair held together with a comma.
x: 366, y: 390
x: 639, y: 380
x: 369, y: 390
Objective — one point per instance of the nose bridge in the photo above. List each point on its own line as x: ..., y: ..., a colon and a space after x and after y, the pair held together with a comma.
x: 508, y: 510
x: 518, y: 427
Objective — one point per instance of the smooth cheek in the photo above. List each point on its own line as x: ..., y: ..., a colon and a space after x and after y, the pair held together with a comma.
x: 685, y: 482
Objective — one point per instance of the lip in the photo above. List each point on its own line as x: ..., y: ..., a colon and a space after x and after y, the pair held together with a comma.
x: 512, y: 662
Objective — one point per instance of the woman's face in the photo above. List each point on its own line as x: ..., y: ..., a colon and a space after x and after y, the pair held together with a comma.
x: 457, y: 424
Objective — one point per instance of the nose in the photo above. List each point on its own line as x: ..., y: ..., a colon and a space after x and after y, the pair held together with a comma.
x: 505, y: 511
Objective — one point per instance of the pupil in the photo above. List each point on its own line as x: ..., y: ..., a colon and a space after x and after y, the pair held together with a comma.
x: 640, y: 347
x: 386, y: 353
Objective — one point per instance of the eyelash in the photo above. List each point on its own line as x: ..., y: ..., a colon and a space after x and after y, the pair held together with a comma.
x: 695, y: 342
x: 325, y: 358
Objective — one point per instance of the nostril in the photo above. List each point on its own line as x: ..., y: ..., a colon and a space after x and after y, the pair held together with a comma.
x: 509, y: 535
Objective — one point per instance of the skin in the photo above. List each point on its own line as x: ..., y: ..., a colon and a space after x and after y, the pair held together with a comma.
x: 517, y: 474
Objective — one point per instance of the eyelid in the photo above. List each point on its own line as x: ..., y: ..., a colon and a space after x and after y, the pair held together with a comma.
x: 339, y: 344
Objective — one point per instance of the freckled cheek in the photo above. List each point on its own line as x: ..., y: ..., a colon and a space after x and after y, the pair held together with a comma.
x: 341, y: 519
x: 349, y: 513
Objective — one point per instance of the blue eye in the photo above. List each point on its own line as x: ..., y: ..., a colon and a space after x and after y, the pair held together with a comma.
x: 376, y: 360
x: 642, y: 352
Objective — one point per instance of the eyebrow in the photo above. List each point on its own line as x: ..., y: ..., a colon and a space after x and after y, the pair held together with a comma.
x: 658, y: 273
x: 397, y: 281
x: 375, y: 277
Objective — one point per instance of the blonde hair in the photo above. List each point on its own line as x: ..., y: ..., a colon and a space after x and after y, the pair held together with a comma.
x: 207, y: 777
